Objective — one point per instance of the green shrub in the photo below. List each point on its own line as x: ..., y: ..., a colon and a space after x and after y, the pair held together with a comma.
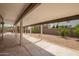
x: 35, y: 30
x: 63, y: 31
x: 53, y: 27
x: 76, y: 30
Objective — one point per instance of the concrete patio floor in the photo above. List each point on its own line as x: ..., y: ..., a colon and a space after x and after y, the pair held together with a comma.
x: 10, y: 46
x: 33, y: 46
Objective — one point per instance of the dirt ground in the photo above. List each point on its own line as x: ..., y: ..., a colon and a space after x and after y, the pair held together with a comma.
x: 67, y: 41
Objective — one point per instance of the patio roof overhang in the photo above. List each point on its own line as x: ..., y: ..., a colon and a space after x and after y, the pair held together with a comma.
x: 74, y: 17
x: 11, y: 11
x: 36, y: 13
x: 54, y: 12
x: 26, y: 10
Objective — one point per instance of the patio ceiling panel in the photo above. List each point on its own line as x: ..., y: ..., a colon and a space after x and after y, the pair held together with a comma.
x: 47, y: 12
x: 11, y: 11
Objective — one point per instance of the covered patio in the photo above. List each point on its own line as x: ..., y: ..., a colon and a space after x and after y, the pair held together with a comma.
x: 15, y: 41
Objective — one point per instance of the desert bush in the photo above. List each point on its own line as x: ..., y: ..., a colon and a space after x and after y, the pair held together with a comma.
x: 35, y: 30
x: 63, y: 31
x: 76, y: 30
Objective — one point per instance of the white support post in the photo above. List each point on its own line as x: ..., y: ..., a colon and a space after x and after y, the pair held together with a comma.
x: 41, y: 30
x: 2, y: 30
x: 16, y: 32
x: 21, y: 30
x: 25, y: 30
x: 30, y: 30
x: 13, y: 29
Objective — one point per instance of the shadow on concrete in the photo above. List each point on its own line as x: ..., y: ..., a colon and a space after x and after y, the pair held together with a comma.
x: 10, y: 47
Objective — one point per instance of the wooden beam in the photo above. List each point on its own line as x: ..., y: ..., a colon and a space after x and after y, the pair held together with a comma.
x: 26, y: 11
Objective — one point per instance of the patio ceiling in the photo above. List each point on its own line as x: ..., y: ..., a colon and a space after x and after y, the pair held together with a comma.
x: 43, y: 13
x: 47, y: 12
x: 11, y: 11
